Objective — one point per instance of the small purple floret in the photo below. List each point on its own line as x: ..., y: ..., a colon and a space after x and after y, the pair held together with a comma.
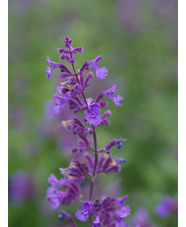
x: 101, y: 73
x: 49, y: 70
x: 82, y: 215
x: 92, y: 115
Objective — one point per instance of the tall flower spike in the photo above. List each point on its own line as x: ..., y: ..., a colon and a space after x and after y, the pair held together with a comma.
x: 88, y: 160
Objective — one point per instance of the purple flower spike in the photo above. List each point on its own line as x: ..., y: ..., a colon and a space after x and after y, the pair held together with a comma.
x: 53, y: 65
x: 88, y: 160
x: 92, y: 115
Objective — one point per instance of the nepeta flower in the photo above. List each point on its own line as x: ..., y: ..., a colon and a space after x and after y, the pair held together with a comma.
x: 92, y: 115
x: 70, y: 94
x: 94, y: 63
x: 49, y: 70
x: 75, y: 171
x: 141, y: 218
x: 56, y: 196
x: 107, y: 164
x: 166, y: 206
x: 113, y: 142
x: 101, y: 73
x: 110, y: 94
x: 105, y: 212
x: 84, y: 144
x: 82, y: 215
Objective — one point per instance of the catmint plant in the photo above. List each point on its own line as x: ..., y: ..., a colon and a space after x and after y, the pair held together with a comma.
x: 88, y: 161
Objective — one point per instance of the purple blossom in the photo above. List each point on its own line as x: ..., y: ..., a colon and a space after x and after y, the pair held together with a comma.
x: 53, y: 65
x: 94, y: 63
x: 166, y: 206
x: 77, y: 49
x: 75, y: 171
x: 70, y: 94
x: 77, y: 127
x: 106, y: 212
x: 110, y: 94
x: 141, y: 218
x: 84, y: 144
x: 57, y: 108
x: 92, y: 115
x: 82, y: 215
x: 56, y: 196
x: 107, y: 164
x: 113, y: 142
x: 101, y: 73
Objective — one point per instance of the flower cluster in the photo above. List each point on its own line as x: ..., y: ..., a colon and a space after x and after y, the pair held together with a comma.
x: 87, y: 159
x: 108, y: 212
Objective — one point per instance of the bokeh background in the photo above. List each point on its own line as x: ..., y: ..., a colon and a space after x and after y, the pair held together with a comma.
x: 138, y: 41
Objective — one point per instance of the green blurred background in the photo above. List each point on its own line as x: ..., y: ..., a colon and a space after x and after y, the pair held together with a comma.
x: 138, y: 41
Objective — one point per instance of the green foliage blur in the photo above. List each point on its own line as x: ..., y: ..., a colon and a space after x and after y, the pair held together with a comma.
x: 139, y: 48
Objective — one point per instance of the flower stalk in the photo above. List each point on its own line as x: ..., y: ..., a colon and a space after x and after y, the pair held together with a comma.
x: 102, y: 211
